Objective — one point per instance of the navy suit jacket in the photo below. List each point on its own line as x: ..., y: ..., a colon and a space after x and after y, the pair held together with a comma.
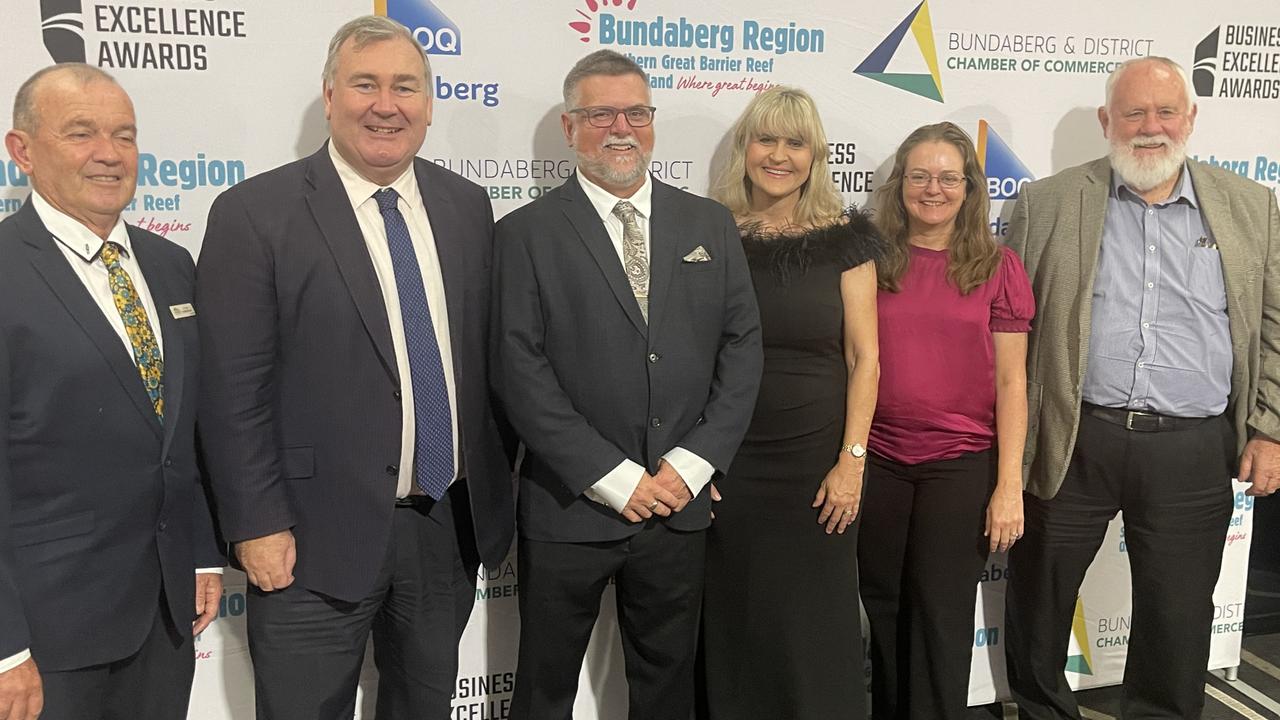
x: 300, y: 416
x: 100, y: 504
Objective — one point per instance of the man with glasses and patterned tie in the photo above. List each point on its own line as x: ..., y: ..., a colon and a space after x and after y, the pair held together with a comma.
x: 354, y: 456
x: 627, y: 356
x: 108, y: 561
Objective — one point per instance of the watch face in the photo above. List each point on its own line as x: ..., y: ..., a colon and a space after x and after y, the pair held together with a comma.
x: 858, y: 450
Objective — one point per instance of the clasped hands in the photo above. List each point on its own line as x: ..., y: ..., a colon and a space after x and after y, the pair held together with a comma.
x: 659, y: 494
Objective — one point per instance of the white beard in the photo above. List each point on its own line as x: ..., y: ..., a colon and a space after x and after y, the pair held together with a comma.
x: 1143, y: 174
x: 616, y: 173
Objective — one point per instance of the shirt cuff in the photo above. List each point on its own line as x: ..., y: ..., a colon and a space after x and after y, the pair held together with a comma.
x: 214, y: 570
x: 616, y: 488
x: 695, y: 471
x: 14, y: 661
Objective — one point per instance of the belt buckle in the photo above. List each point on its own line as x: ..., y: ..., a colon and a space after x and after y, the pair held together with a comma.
x: 1131, y: 414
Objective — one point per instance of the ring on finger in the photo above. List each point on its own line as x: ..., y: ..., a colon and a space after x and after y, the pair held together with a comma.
x: 653, y: 506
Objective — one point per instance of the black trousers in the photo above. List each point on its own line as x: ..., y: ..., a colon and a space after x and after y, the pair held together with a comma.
x: 307, y: 648
x: 658, y: 575
x: 152, y: 683
x: 1173, y: 488
x: 920, y: 554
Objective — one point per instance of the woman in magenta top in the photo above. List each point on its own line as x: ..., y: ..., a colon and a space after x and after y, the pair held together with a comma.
x: 945, y: 475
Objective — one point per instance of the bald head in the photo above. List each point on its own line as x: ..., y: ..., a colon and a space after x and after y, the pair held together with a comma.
x: 1143, y: 69
x: 26, y: 110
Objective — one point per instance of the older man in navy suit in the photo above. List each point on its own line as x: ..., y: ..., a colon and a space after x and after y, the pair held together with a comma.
x: 103, y: 519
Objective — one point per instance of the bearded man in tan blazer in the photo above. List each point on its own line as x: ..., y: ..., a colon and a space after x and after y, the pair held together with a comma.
x: 1154, y: 376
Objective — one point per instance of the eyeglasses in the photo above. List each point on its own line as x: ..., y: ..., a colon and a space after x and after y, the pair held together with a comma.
x: 602, y: 116
x: 948, y: 180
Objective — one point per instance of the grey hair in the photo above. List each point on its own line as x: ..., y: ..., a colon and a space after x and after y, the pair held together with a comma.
x: 25, y: 117
x: 1169, y: 64
x: 365, y: 30
x: 600, y: 62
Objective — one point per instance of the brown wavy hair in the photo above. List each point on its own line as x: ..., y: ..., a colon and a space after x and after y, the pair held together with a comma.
x: 974, y: 254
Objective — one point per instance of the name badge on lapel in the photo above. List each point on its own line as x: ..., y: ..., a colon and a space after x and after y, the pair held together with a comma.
x: 184, y: 310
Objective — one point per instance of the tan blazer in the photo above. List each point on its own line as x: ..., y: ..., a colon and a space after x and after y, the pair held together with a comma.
x: 1057, y: 229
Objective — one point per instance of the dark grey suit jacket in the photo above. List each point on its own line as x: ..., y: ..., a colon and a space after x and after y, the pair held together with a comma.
x: 300, y: 416
x: 588, y: 384
x: 100, y: 504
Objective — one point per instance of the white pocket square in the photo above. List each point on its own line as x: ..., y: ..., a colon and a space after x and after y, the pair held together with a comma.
x: 699, y: 254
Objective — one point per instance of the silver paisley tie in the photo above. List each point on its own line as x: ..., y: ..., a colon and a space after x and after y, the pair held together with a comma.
x: 634, y: 258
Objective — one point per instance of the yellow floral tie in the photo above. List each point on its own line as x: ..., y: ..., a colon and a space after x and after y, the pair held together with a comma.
x: 146, y: 351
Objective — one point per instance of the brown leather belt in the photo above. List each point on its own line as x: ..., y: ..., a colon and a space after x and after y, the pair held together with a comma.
x: 1141, y: 420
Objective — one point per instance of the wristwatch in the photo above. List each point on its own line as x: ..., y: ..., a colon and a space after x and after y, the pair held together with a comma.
x: 856, y: 450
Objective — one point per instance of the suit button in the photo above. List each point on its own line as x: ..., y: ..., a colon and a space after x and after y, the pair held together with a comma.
x: 393, y: 470
x: 163, y: 525
x: 656, y: 422
x: 396, y: 395
x: 168, y: 462
x: 654, y: 357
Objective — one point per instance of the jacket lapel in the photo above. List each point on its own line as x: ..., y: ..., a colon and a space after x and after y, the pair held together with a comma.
x: 1215, y: 207
x: 445, y: 224
x: 1093, y: 215
x: 52, y: 266
x: 174, y: 349
x: 662, y: 249
x: 582, y: 216
x: 331, y: 209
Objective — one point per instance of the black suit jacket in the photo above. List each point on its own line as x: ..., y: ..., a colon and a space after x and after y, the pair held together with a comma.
x: 100, y: 505
x: 300, y: 417
x: 587, y: 383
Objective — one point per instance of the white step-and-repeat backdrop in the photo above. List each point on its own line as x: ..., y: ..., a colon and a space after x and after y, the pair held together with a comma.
x: 225, y: 89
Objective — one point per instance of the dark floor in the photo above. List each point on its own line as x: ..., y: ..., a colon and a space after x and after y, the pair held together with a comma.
x: 1253, y: 695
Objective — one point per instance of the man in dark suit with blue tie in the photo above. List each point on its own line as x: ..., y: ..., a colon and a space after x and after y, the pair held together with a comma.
x: 354, y: 457
x: 108, y: 562
x: 628, y: 359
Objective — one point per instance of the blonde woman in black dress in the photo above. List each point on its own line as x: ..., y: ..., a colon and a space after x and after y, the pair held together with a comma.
x: 781, y: 632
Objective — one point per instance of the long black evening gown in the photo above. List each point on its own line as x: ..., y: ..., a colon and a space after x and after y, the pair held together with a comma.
x: 781, y: 631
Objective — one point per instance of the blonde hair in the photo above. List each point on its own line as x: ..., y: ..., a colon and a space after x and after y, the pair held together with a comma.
x: 784, y: 112
x: 973, y: 255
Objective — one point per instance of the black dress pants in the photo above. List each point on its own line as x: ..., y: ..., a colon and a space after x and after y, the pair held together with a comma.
x: 1173, y: 488
x: 307, y: 648
x: 658, y: 574
x: 920, y: 553
x: 153, y: 683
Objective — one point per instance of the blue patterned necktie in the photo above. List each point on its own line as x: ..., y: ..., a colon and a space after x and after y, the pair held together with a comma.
x: 433, y: 424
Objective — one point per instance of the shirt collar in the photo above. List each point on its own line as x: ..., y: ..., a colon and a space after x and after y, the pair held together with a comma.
x: 1185, y: 190
x: 604, y: 201
x: 359, y: 190
x: 78, y: 238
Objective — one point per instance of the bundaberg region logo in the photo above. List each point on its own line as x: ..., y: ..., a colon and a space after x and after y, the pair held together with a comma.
x: 62, y: 26
x: 583, y: 26
x: 876, y: 65
x: 1079, y: 658
x: 437, y: 34
x: 1006, y: 174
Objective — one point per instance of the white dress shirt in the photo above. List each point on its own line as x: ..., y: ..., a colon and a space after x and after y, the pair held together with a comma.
x: 616, y: 487
x: 81, y: 247
x: 360, y: 191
